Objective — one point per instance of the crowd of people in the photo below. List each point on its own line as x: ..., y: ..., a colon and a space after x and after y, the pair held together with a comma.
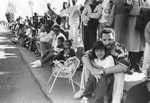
x: 113, y: 39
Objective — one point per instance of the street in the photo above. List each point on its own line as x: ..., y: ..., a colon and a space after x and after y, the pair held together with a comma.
x: 17, y: 84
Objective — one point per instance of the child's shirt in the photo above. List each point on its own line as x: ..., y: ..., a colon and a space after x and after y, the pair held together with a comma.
x: 65, y: 54
x: 106, y: 63
x: 59, y: 48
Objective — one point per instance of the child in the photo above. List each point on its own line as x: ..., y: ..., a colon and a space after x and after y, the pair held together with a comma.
x: 67, y: 52
x: 99, y: 58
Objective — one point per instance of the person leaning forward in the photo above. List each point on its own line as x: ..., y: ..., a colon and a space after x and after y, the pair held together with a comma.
x: 120, y: 55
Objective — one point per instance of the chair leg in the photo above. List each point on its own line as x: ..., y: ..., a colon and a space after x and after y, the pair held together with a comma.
x: 54, y: 81
x: 50, y: 78
x: 52, y: 85
x: 72, y: 85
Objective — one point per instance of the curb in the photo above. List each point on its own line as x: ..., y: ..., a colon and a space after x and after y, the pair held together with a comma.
x: 36, y: 80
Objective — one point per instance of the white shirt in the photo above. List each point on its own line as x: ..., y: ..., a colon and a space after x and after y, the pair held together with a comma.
x: 47, y: 37
x: 106, y: 63
x: 105, y: 11
x: 87, y: 13
x: 28, y: 32
x: 74, y: 14
x: 55, y: 38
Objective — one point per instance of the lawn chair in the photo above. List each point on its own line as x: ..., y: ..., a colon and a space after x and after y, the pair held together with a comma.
x: 64, y: 69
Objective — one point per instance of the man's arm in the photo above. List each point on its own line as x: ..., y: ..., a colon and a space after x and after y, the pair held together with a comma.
x: 97, y: 12
x: 122, y: 61
x: 87, y: 62
x: 94, y: 65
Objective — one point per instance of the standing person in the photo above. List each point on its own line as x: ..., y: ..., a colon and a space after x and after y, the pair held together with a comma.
x: 64, y: 16
x: 35, y: 21
x: 89, y: 17
x: 107, y: 15
x: 121, y: 60
x: 146, y: 60
x: 134, y: 38
x: 99, y: 58
x: 74, y: 16
x: 120, y: 20
x: 52, y: 15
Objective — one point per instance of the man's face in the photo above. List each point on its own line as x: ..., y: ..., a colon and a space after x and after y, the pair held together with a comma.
x: 108, y: 40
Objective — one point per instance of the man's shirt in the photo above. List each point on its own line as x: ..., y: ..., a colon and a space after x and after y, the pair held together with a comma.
x: 120, y: 55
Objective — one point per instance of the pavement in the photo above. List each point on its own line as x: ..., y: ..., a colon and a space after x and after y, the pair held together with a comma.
x: 62, y: 91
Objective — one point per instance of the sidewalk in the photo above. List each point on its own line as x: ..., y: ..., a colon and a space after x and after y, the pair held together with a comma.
x: 62, y: 91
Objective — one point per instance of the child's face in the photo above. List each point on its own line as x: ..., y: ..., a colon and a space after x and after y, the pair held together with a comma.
x: 100, y: 53
x: 67, y: 45
x: 59, y: 42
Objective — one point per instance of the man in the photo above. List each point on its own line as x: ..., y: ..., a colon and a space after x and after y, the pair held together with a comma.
x: 120, y: 55
x: 73, y: 13
x: 140, y: 93
x: 52, y: 15
x: 51, y: 38
x: 89, y: 18
x: 35, y: 21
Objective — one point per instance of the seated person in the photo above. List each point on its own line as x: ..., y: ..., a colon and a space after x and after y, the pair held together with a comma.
x: 41, y: 38
x: 67, y: 52
x: 57, y: 33
x: 45, y: 40
x: 120, y: 55
x: 140, y: 93
x: 50, y: 53
x: 99, y: 58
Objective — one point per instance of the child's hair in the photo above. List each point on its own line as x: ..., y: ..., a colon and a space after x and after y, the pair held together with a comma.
x: 61, y: 39
x: 96, y: 46
x: 69, y: 41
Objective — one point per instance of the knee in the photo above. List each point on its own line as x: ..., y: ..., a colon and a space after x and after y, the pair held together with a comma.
x: 119, y: 76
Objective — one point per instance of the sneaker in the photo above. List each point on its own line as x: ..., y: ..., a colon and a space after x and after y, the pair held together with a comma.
x: 37, y: 61
x: 37, y: 65
x: 78, y: 94
x: 84, y: 100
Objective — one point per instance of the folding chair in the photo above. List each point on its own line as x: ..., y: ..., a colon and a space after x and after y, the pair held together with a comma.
x: 66, y: 69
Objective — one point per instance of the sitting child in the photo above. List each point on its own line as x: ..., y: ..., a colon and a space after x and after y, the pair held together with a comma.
x: 62, y: 60
x: 99, y: 58
x: 66, y: 52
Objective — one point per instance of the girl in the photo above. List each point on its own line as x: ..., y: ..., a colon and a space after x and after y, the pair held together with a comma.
x: 99, y: 58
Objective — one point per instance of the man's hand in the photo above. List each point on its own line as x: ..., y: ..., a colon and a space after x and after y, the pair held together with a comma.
x: 96, y: 71
x: 96, y: 66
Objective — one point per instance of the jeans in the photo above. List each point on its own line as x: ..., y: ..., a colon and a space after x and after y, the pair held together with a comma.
x: 118, y: 85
